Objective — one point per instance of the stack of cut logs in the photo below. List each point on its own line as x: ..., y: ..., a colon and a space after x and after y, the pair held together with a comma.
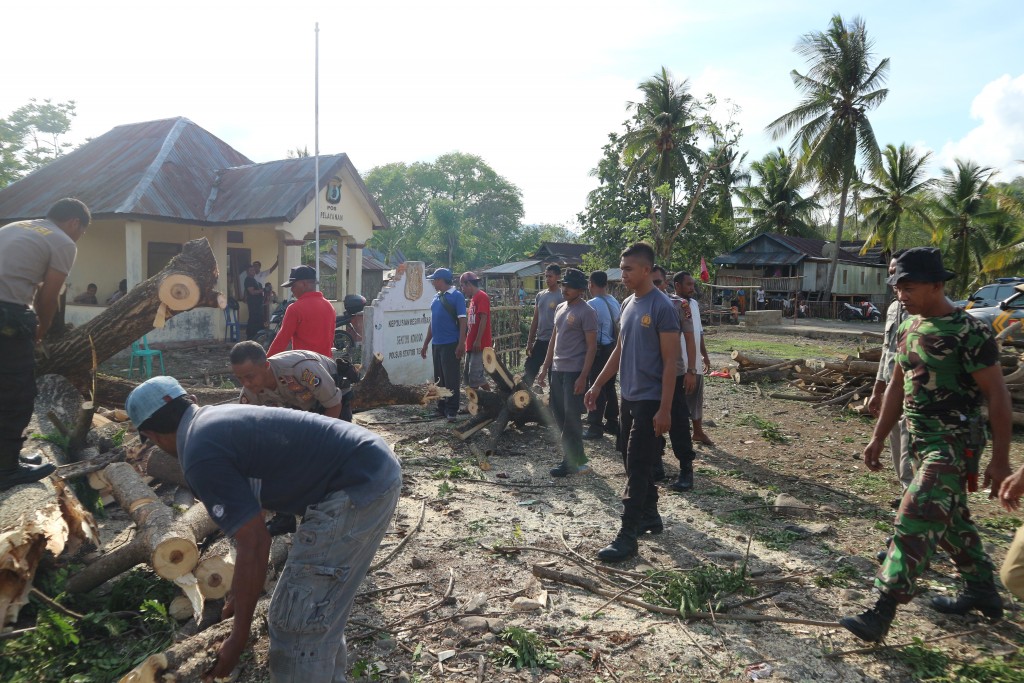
x: 510, y: 401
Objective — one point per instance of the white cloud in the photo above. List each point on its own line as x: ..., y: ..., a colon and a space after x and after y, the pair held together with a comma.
x: 998, y: 141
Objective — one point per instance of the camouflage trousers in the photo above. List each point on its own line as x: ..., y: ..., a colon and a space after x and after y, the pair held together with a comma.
x: 934, y: 514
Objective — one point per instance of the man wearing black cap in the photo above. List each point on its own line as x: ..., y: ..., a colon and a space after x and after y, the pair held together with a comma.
x: 308, y: 323
x: 946, y: 362
x: 570, y: 356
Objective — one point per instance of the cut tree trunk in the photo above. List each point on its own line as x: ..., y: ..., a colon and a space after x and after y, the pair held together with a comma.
x: 772, y: 373
x: 375, y: 390
x: 753, y: 360
x: 186, y: 282
x: 179, y: 535
x: 165, y: 468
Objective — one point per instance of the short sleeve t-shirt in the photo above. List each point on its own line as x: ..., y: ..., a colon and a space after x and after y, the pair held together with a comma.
x: 938, y: 356
x: 479, y: 306
x: 685, y: 325
x: 241, y: 459
x: 698, y: 330
x: 607, y: 309
x: 572, y: 322
x: 643, y: 321
x: 27, y: 250
x: 305, y: 381
x: 547, y: 302
x: 443, y: 327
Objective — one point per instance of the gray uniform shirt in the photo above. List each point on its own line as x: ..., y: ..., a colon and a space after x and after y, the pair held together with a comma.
x: 642, y: 323
x: 304, y: 379
x: 572, y: 322
x: 547, y: 302
x: 27, y: 250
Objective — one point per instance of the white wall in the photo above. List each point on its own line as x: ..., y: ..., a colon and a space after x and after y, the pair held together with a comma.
x: 396, y: 325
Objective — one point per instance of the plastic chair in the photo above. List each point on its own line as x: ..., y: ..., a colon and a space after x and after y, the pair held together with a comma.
x: 141, y: 350
x: 232, y: 328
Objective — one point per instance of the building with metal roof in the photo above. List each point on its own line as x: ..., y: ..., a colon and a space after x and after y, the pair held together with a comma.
x: 154, y: 185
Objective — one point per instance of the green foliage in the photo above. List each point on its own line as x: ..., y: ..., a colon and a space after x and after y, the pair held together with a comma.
x: 1001, y: 523
x: 33, y: 136
x: 444, y: 489
x: 769, y: 430
x: 896, y: 198
x: 840, y: 578
x: 456, y: 470
x: 777, y: 539
x: 778, y: 349
x: 691, y: 591
x: 55, y: 438
x: 524, y: 649
x: 932, y: 665
x: 118, y: 438
x: 870, y: 482
x: 775, y: 203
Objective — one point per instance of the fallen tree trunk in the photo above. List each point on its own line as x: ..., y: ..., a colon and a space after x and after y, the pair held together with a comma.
x: 186, y: 282
x: 165, y: 468
x: 753, y: 360
x: 375, y: 390
x: 771, y: 373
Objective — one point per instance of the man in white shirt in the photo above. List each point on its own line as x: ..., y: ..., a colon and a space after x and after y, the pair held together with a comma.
x: 685, y: 287
x: 261, y: 275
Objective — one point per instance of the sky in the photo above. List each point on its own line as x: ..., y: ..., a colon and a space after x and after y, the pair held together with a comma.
x: 534, y: 88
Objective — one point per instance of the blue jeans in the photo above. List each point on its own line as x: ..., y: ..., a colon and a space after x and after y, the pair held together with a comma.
x: 332, y: 550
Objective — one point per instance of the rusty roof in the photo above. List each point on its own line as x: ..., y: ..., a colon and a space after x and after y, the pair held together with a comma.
x: 174, y: 170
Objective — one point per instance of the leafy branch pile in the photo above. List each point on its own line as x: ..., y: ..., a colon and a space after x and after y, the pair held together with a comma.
x: 691, y: 591
x: 524, y: 649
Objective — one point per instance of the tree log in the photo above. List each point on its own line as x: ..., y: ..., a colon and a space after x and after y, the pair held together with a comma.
x: 485, y: 403
x: 376, y: 390
x: 771, y: 373
x: 872, y: 354
x: 113, y: 391
x: 862, y: 367
x: 90, y: 465
x: 132, y: 316
x: 752, y: 360
x: 165, y: 468
x: 497, y: 371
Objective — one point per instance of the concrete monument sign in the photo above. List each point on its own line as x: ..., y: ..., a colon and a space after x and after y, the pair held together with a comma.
x: 396, y: 324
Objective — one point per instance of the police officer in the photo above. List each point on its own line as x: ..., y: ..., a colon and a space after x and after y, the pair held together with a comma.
x: 35, y: 259
x: 946, y: 362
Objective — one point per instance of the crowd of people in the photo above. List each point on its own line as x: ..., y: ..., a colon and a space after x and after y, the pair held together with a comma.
x: 289, y: 445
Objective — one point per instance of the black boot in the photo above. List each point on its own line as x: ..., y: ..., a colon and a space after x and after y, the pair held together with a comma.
x: 982, y: 597
x: 24, y: 474
x: 884, y: 552
x: 33, y: 459
x: 650, y: 521
x: 593, y: 433
x: 873, y: 624
x: 624, y: 546
x: 685, y: 480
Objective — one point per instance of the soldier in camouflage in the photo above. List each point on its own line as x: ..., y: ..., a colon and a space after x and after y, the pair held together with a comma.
x: 946, y: 363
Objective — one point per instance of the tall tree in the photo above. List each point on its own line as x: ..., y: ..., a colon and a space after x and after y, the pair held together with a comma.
x: 33, y: 136
x: 728, y: 179
x: 898, y: 193
x: 963, y: 208
x: 444, y: 227
x: 774, y: 202
x: 831, y: 121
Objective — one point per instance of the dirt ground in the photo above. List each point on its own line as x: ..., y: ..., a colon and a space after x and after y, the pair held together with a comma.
x: 818, y: 567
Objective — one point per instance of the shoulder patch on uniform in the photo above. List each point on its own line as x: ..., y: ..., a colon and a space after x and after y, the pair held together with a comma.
x: 310, y: 377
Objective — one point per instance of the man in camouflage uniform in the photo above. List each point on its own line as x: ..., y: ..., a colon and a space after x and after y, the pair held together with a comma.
x: 946, y: 362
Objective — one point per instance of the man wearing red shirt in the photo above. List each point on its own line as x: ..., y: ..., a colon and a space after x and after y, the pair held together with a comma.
x: 478, y: 336
x: 308, y: 322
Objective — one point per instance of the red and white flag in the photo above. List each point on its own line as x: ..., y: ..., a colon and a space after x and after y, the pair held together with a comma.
x: 704, y: 274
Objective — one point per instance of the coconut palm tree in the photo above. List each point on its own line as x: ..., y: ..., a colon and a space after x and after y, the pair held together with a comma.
x: 963, y: 208
x: 774, y: 203
x: 831, y: 120
x: 661, y: 141
x: 728, y: 178
x: 896, y: 195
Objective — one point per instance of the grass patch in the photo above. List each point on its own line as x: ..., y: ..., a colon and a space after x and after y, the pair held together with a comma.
x: 455, y: 470
x: 713, y: 491
x: 524, y: 649
x: 1009, y: 524
x: 782, y: 350
x: 691, y: 591
x: 932, y: 665
x: 871, y: 482
x: 840, y: 578
x: 778, y: 539
x: 743, y: 517
x: 769, y: 430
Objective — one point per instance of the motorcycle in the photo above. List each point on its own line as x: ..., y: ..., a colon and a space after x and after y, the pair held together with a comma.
x: 865, y: 311
x: 344, y: 342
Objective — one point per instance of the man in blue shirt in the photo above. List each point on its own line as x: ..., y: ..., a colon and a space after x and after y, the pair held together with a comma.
x: 645, y: 356
x: 240, y: 460
x: 447, y: 331
x: 607, y: 308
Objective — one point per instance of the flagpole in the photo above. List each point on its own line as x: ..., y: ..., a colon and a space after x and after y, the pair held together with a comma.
x: 316, y: 154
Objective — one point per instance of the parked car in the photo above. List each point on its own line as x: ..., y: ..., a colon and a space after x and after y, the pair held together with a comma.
x: 1005, y: 313
x: 991, y: 294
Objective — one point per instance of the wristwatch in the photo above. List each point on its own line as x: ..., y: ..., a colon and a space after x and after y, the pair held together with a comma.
x: 691, y: 371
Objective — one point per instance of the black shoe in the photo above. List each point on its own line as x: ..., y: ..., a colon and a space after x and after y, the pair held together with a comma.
x: 593, y: 433
x: 873, y: 624
x: 34, y: 459
x: 623, y: 547
x: 684, y: 482
x: 882, y: 554
x: 611, y: 428
x: 650, y: 524
x: 25, y: 474
x: 564, y: 470
x: 982, y: 597
x: 281, y: 523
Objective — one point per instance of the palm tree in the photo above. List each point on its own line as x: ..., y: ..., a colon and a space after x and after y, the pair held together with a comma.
x: 831, y: 120
x: 661, y: 141
x: 963, y: 209
x: 774, y: 203
x: 728, y: 178
x: 897, y: 193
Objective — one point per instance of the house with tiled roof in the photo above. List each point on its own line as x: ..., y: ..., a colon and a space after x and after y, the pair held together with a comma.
x: 155, y: 185
x: 785, y: 265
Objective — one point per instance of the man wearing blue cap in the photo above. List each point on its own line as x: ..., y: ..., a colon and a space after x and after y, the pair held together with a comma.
x: 240, y: 460
x: 947, y: 362
x: 447, y: 332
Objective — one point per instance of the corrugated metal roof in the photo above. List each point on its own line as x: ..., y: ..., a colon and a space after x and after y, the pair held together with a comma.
x: 518, y: 268
x: 569, y: 249
x: 771, y: 258
x: 758, y: 250
x: 174, y: 170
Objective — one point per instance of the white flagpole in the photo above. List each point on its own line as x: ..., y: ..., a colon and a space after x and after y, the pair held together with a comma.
x: 316, y: 155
